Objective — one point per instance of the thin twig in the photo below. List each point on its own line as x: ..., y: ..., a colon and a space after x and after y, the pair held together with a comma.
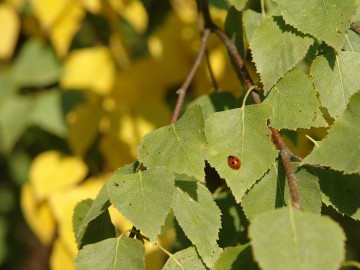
x: 182, y: 91
x: 285, y: 152
x: 355, y: 28
x: 285, y: 157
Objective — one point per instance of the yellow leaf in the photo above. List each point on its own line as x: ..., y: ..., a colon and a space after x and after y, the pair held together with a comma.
x: 51, y: 172
x: 9, y: 30
x: 83, y: 127
x: 135, y: 13
x: 65, y: 27
x: 122, y: 225
x: 94, y: 6
x: 48, y: 12
x: 91, y: 68
x: 37, y: 215
x: 63, y: 203
x: 17, y: 4
x: 60, y: 257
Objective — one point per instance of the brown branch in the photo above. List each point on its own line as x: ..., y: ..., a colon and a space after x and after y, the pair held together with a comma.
x: 285, y: 152
x: 285, y: 157
x: 355, y: 28
x: 183, y: 89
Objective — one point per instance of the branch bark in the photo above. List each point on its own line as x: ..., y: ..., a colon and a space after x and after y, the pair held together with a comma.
x: 355, y: 28
x: 183, y: 89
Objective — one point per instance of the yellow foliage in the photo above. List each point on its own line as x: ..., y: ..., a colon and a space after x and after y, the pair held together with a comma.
x: 91, y: 68
x: 60, y: 257
x: 9, y: 30
x: 51, y: 172
x: 62, y: 204
x: 37, y: 215
x: 135, y: 13
x: 94, y: 6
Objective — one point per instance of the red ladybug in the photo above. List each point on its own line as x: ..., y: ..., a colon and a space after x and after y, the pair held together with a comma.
x: 234, y: 162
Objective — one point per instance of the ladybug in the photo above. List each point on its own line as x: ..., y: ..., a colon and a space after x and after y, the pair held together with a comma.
x: 234, y: 162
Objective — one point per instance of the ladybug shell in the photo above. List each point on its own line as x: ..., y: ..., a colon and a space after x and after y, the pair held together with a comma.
x: 234, y: 162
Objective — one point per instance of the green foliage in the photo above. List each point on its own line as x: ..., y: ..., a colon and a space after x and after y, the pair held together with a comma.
x: 308, y: 62
x: 340, y: 150
x: 297, y: 240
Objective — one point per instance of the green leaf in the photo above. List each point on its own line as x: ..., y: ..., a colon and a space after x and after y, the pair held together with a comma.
x: 341, y: 191
x: 187, y: 259
x: 340, y: 149
x: 179, y: 147
x: 295, y: 103
x: 290, y: 239
x: 144, y: 198
x: 114, y: 253
x: 7, y: 86
x: 215, y: 102
x: 47, y: 113
x: 97, y: 230
x: 242, y: 133
x: 352, y: 42
x: 326, y: 20
x: 251, y: 21
x: 272, y: 191
x: 238, y: 4
x: 336, y: 78
x: 234, y: 258
x: 13, y: 120
x: 276, y: 48
x: 36, y: 65
x: 199, y: 217
x: 97, y: 207
x: 234, y: 29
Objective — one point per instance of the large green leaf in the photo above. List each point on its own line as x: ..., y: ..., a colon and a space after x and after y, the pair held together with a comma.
x: 112, y: 254
x: 290, y: 239
x: 251, y: 21
x: 199, y: 217
x: 97, y: 230
x: 242, y: 133
x: 234, y: 258
x: 341, y: 191
x: 276, y: 48
x: 36, y: 65
x: 326, y: 20
x: 187, y: 259
x: 336, y: 78
x: 272, y: 191
x: 179, y: 147
x: 47, y: 113
x: 340, y: 149
x: 238, y: 4
x: 295, y: 103
x: 144, y: 198
x: 352, y: 42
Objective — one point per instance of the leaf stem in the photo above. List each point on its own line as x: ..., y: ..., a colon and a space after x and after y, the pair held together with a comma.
x: 169, y: 254
x: 183, y: 89
x: 285, y: 152
x: 355, y: 28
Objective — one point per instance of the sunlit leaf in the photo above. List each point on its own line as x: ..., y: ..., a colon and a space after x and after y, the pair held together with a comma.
x: 180, y: 147
x: 251, y: 20
x: 340, y: 149
x: 290, y: 239
x: 60, y: 257
x: 277, y: 48
x: 295, y: 103
x: 325, y: 20
x: 37, y: 215
x: 114, y: 253
x: 9, y: 30
x: 195, y: 210
x: 143, y: 198
x: 91, y: 69
x: 185, y: 259
x: 242, y: 133
x: 335, y: 77
x: 51, y: 172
